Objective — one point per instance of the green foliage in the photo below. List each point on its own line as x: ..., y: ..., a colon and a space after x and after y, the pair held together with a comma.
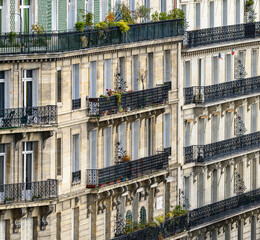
x: 11, y: 36
x: 173, y: 14
x: 37, y: 28
x: 101, y: 27
x: 142, y: 12
x: 123, y: 26
x: 128, y: 16
x: 88, y: 19
x: 79, y: 26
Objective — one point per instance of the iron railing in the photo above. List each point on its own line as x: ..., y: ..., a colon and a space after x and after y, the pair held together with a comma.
x: 222, y: 34
x: 17, y: 117
x: 76, y: 177
x: 222, y: 91
x: 202, y: 153
x: 76, y: 104
x: 129, y: 101
x: 69, y: 41
x: 127, y: 171
x: 27, y: 192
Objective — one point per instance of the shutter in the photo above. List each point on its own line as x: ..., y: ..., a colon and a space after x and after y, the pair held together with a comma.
x: 108, y: 140
x: 150, y: 70
x: 167, y: 130
x: 215, y: 128
x: 2, y: 229
x: 187, y: 187
x: 254, y: 118
x: 225, y: 16
x: 93, y: 149
x: 96, y: 11
x: 201, y: 190
x: 215, y: 70
x: 211, y: 12
x: 135, y: 72
x: 227, y: 182
x: 93, y: 79
x: 237, y: 11
x: 75, y: 82
x: 187, y: 134
x: 201, y: 131
x: 254, y: 64
x: 228, y: 125
x: 187, y: 74
x: 228, y: 67
x: 35, y: 87
x: 167, y: 70
x: 197, y: 15
x: 214, y: 186
x: 122, y: 136
x: 135, y: 139
x: 107, y: 76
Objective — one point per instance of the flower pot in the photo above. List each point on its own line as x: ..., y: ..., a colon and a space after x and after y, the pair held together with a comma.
x: 118, y: 181
x: 91, y: 186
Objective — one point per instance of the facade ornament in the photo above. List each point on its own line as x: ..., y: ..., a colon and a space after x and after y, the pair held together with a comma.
x: 183, y: 200
x: 240, y: 72
x: 239, y: 125
x: 239, y: 184
x: 20, y: 213
x: 48, y: 210
x: 91, y: 198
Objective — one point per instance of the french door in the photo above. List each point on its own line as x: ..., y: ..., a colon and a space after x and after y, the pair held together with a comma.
x: 2, y: 172
x: 27, y: 88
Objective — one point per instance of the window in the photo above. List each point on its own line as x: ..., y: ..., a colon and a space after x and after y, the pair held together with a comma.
x: 27, y: 164
x: 187, y: 134
x: 107, y: 75
x: 93, y: 80
x: 167, y: 66
x: 201, y: 72
x: 75, y: 153
x: 107, y: 147
x: 187, y: 188
x: 27, y: 228
x: 187, y: 74
x: 167, y: 130
x: 201, y: 190
x: 150, y: 70
x: 104, y: 10
x: 27, y: 88
x: 135, y: 139
x: 72, y: 14
x: 89, y: 6
x: 201, y: 131
x: 122, y: 69
x: 143, y: 216
x: 135, y: 73
x: 148, y: 5
x: 211, y: 14
x: 163, y: 6
x: 228, y: 125
x: 225, y: 13
x: 197, y: 20
x: 1, y: 21
x: 214, y: 187
x: 254, y: 63
x: 237, y: 11
x: 253, y: 174
x: 184, y: 8
x: 132, y: 5
x: 25, y: 12
x: 75, y: 224
x: 241, y: 112
x: 75, y: 82
x: 54, y: 15
x: 129, y: 218
x: 59, y: 87
x: 214, y: 128
x: 253, y: 228
x: 215, y: 70
x: 149, y: 137
x: 3, y: 230
x: 121, y: 130
x: 59, y: 152
x: 253, y: 117
x: 93, y: 149
x: 2, y: 93
x: 2, y: 171
x: 240, y: 230
x: 214, y: 235
x: 227, y: 182
x: 228, y: 67
x: 58, y: 226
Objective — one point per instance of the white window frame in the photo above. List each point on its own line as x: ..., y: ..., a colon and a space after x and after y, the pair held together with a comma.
x: 54, y: 14
x: 22, y: 7
x: 26, y: 79
x: 24, y: 153
x: 3, y: 154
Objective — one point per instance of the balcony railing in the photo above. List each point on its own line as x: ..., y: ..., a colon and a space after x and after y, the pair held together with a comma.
x: 222, y: 34
x: 76, y: 177
x: 212, y: 212
x: 69, y: 41
x: 129, y: 101
x: 76, y: 104
x: 222, y: 91
x: 30, y: 191
x: 126, y: 171
x: 203, y: 153
x: 18, y: 117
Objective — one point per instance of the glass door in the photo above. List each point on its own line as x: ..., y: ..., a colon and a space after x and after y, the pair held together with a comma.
x: 2, y: 172
x: 27, y: 169
x: 25, y: 15
x: 27, y: 88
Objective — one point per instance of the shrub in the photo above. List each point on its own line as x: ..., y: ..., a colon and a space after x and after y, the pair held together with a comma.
x: 79, y: 26
x: 123, y: 26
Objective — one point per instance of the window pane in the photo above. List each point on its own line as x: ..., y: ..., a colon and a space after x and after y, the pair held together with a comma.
x: 59, y: 86
x: 26, y: 21
x: 2, y: 74
x: 59, y: 156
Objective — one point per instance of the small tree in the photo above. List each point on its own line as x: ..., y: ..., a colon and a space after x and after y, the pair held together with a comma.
x: 142, y: 76
x: 142, y: 12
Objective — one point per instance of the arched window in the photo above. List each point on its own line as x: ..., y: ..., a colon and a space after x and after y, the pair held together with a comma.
x: 143, y: 216
x: 129, y: 217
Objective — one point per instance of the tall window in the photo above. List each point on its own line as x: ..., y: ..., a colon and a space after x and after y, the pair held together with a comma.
x: 59, y: 87
x: 228, y: 125
x: 2, y: 168
x: 201, y: 131
x: 132, y: 5
x: 211, y: 14
x: 228, y: 67
x: 237, y: 11
x: 25, y: 12
x: 27, y: 228
x: 75, y: 153
x: 93, y: 80
x: 253, y: 228
x: 143, y: 215
x: 135, y: 72
x: 27, y: 164
x: 254, y: 118
x: 150, y: 70
x: 149, y: 137
x: 201, y: 190
x: 214, y: 186
x: 254, y: 63
x: 187, y: 74
x: 54, y: 15
x: 104, y: 9
x: 75, y: 82
x: 135, y: 139
x: 27, y: 88
x: 214, y: 128
x: 187, y: 134
x: 89, y: 6
x: 227, y: 182
x: 1, y: 8
x: 107, y: 143
x: 107, y: 74
x: 197, y: 19
x: 167, y: 66
x: 121, y: 130
x: 167, y: 130
x: 187, y: 188
x: 122, y: 68
x: 93, y: 149
x: 72, y: 14
x: 58, y: 156
x: 2, y: 93
x: 201, y: 72
x: 215, y: 70
x: 147, y: 3
x: 163, y: 5
x: 225, y: 12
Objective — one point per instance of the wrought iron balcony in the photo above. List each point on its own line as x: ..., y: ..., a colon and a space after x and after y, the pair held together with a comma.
x: 203, y: 153
x: 222, y: 91
x: 126, y: 171
x: 129, y: 101
x: 18, y: 117
x: 76, y: 104
x: 69, y: 41
x: 222, y: 34
x: 28, y: 192
x: 76, y: 177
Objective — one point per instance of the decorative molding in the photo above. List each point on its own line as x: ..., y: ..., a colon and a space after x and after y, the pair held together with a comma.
x: 43, y: 221
x: 19, y: 213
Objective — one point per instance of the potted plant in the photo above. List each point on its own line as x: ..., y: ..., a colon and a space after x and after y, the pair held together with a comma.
x: 8, y: 200
x: 79, y: 26
x: 36, y: 197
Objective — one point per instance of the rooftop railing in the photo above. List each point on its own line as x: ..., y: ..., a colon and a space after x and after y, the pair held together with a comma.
x: 126, y: 171
x: 69, y: 41
x: 203, y: 153
x: 29, y: 191
x: 28, y: 116
x: 222, y: 91
x: 222, y: 34
x: 129, y: 101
